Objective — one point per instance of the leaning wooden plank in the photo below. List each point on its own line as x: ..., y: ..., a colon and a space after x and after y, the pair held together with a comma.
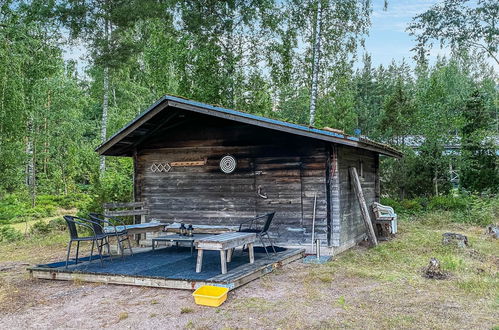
x: 363, y: 206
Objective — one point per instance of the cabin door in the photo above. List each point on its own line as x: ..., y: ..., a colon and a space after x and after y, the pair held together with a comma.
x: 278, y: 189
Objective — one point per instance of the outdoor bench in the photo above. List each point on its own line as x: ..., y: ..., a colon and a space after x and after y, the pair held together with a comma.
x: 225, y: 243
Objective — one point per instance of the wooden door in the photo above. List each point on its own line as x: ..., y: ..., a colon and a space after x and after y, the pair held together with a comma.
x: 278, y: 189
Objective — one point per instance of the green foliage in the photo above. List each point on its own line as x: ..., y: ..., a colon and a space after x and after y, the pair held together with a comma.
x: 449, y: 203
x: 40, y: 228
x: 12, y: 206
x: 63, y: 201
x: 471, y: 209
x: 481, y: 211
x: 462, y: 24
x: 57, y: 224
x: 479, y: 165
x: 255, y: 56
x: 9, y: 234
x: 15, y: 208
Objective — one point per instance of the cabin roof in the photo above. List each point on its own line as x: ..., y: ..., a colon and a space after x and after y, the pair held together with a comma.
x: 126, y: 139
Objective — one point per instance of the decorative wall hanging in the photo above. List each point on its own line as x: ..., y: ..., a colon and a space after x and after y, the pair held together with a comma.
x: 189, y: 163
x: 160, y: 167
x: 228, y: 164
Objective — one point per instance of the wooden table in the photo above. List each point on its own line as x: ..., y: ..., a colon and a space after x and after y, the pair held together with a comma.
x: 225, y: 243
x: 139, y: 228
x: 178, y: 238
x: 202, y: 229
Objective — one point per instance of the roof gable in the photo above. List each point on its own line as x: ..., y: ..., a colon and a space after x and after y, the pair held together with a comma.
x: 123, y: 142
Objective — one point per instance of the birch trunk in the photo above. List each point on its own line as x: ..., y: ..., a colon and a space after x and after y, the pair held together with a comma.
x: 105, y: 107
x: 315, y: 62
x: 30, y: 165
x: 105, y: 103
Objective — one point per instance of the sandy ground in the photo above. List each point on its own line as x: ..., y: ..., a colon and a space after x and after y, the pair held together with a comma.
x: 296, y: 296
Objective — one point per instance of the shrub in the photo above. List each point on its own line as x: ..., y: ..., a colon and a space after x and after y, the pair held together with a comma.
x: 39, y: 228
x: 41, y: 211
x: 405, y: 206
x: 480, y: 211
x: 411, y: 206
x: 57, y: 224
x: 397, y: 207
x: 449, y: 203
x: 9, y: 234
x: 12, y: 206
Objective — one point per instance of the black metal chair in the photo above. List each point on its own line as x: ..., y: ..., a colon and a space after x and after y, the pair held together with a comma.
x: 121, y: 235
x: 252, y: 227
x: 73, y: 223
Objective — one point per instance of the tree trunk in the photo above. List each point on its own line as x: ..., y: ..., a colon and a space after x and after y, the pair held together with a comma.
x: 105, y: 104
x: 30, y: 165
x: 435, y: 182
x: 315, y: 62
x: 105, y: 107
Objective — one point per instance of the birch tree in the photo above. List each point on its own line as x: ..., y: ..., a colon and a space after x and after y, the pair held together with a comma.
x: 331, y: 31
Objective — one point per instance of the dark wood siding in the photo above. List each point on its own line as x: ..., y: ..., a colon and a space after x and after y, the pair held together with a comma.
x: 289, y: 169
x: 352, y: 226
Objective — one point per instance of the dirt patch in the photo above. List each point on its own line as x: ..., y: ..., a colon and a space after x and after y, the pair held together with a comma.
x: 297, y: 296
x: 363, y: 288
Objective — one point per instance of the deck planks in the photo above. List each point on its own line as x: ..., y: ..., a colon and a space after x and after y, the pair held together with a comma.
x: 234, y: 278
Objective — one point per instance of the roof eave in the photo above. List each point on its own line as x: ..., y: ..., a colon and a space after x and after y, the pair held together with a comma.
x: 210, y: 110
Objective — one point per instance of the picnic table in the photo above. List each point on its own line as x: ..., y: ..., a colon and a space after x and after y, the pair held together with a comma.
x: 225, y: 243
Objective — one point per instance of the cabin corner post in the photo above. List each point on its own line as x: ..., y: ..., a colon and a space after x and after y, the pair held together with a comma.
x: 334, y: 202
x: 377, y: 185
x: 137, y: 195
x: 328, y: 193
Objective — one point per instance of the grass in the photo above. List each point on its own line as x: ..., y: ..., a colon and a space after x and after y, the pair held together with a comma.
x: 474, y: 269
x: 26, y: 225
x: 379, y: 287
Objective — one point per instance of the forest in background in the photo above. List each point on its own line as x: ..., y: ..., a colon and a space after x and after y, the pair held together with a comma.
x: 271, y: 58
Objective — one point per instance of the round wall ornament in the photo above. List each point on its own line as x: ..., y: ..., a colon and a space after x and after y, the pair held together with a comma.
x: 228, y: 164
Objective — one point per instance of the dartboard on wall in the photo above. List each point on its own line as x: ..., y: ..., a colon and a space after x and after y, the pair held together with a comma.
x: 228, y: 164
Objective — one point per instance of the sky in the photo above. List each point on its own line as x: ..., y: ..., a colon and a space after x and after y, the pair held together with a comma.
x: 388, y: 39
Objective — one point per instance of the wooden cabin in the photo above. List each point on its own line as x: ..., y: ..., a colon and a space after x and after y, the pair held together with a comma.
x: 201, y: 164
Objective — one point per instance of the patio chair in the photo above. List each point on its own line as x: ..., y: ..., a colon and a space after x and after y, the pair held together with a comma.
x: 121, y: 235
x: 385, y: 218
x: 252, y: 226
x: 73, y: 223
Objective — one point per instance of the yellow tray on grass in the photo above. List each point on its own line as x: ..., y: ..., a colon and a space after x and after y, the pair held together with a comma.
x: 209, y: 295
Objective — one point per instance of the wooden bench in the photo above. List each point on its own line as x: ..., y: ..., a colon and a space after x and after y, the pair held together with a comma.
x: 225, y: 243
x: 134, y: 209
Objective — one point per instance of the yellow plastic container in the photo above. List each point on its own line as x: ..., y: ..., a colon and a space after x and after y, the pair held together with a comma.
x: 209, y: 295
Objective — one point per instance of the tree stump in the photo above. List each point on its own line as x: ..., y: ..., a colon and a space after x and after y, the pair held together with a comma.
x: 433, y: 270
x: 453, y: 238
x: 493, y: 231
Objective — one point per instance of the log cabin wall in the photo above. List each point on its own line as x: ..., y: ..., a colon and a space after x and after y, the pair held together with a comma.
x: 275, y: 172
x: 352, y: 228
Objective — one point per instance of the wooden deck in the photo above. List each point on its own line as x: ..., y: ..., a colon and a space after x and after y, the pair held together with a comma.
x: 152, y: 265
